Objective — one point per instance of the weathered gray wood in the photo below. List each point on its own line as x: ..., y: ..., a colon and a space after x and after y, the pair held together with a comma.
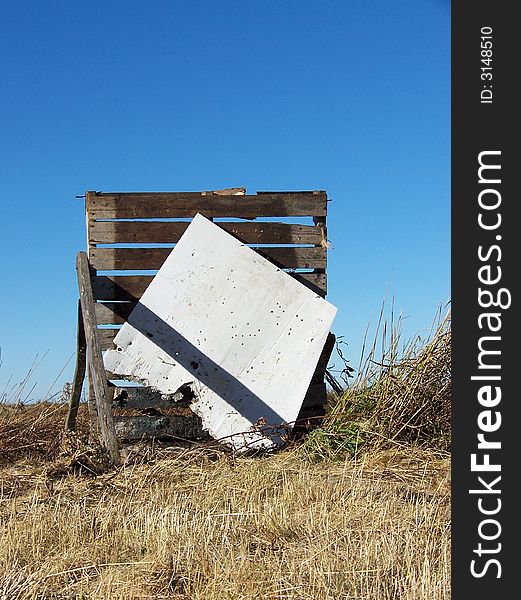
x: 185, y: 424
x: 105, y: 337
x: 144, y: 232
x: 331, y: 380
x: 93, y: 410
x: 138, y: 398
x: 96, y: 367
x: 113, y: 313
x: 108, y: 259
x: 131, y: 287
x: 125, y: 287
x: 79, y: 374
x: 187, y: 427
x: 187, y: 204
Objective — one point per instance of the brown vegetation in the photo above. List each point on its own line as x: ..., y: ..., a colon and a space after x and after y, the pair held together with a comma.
x: 359, y: 510
x: 190, y: 524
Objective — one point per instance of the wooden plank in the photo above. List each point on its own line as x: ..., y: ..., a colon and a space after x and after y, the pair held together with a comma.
x: 146, y: 232
x: 150, y: 205
x: 93, y: 411
x: 131, y: 287
x: 113, y: 313
x: 139, y: 398
x: 96, y: 367
x: 106, y: 335
x: 125, y: 287
x: 107, y: 259
x: 179, y: 426
x: 317, y: 282
x: 105, y: 338
x: 79, y: 373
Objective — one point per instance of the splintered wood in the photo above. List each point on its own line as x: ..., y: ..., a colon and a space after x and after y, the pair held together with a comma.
x: 242, y: 333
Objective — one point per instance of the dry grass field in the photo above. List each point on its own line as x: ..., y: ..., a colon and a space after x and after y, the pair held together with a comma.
x: 199, y: 524
x: 359, y: 510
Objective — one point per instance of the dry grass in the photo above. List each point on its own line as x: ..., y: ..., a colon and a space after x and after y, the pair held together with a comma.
x: 367, y: 518
x: 200, y: 524
x: 34, y: 431
x: 401, y: 398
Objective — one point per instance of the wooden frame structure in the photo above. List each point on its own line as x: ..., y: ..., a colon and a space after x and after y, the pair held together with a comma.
x: 129, y: 235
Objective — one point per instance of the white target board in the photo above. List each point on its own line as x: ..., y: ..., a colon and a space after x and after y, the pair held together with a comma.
x: 243, y: 334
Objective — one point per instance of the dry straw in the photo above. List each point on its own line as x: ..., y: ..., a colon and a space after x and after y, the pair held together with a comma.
x: 404, y: 396
x: 201, y: 524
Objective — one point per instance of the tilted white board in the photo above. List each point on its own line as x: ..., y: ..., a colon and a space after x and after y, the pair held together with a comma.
x: 245, y: 335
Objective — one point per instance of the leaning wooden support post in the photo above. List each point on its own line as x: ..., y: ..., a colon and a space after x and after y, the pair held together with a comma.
x: 79, y: 374
x: 92, y: 410
x: 96, y: 367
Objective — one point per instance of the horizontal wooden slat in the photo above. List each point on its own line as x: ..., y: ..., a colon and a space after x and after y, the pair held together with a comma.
x: 106, y: 259
x: 145, y: 397
x: 132, y: 398
x: 316, y: 282
x: 106, y: 337
x: 125, y: 287
x: 152, y: 205
x: 131, y: 287
x: 113, y: 312
x: 135, y: 428
x: 145, y: 232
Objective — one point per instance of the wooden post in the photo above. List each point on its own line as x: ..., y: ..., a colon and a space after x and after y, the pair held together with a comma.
x: 96, y: 367
x: 79, y: 374
x: 93, y: 410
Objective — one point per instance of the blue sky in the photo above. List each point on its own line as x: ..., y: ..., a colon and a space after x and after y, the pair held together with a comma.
x: 348, y: 96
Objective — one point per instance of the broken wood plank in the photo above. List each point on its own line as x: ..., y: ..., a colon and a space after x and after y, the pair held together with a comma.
x: 186, y: 427
x: 145, y: 232
x: 139, y: 398
x: 96, y: 367
x: 131, y: 287
x: 108, y: 259
x: 150, y: 205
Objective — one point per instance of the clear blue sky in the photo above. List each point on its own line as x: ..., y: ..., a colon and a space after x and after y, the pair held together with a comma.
x: 348, y: 96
